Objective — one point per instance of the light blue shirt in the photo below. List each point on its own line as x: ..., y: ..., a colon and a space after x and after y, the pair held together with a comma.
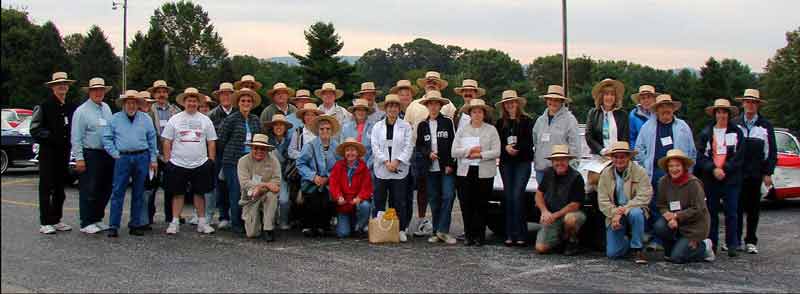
x: 619, y: 191
x: 124, y: 135
x: 88, y: 125
x: 750, y: 123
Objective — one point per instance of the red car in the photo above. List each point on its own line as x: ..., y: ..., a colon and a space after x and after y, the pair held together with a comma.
x: 787, y: 173
x: 13, y: 116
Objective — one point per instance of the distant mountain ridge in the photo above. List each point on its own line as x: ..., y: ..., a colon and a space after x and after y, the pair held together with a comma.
x: 291, y: 61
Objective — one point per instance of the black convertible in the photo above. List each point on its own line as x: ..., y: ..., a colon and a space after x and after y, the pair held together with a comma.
x: 17, y: 149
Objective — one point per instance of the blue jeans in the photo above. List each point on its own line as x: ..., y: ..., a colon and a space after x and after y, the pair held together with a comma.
x: 515, y: 177
x: 95, y: 186
x: 223, y: 201
x: 396, y: 190
x: 136, y: 166
x: 284, y: 205
x: 677, y: 246
x: 344, y: 224
x: 232, y: 180
x: 539, y: 177
x: 716, y: 191
x: 616, y: 243
x: 441, y: 193
x: 654, y: 213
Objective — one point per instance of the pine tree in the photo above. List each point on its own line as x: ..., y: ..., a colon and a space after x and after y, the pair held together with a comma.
x: 97, y: 59
x: 321, y: 65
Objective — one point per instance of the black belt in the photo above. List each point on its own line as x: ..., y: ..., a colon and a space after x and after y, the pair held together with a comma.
x: 133, y: 152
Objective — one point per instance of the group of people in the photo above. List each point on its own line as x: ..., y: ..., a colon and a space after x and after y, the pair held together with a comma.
x: 328, y: 169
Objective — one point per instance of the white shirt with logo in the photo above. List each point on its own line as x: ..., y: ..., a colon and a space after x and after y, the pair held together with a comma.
x: 189, y: 134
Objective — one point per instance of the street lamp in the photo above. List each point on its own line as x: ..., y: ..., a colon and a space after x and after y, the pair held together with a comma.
x: 564, y: 58
x: 114, y: 6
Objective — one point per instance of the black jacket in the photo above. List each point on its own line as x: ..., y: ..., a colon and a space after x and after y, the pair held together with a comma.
x: 523, y: 130
x: 48, y: 127
x: 733, y: 160
x: 594, y: 128
x: 756, y: 163
x: 445, y: 133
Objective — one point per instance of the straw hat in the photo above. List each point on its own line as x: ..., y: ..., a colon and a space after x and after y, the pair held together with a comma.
x: 328, y: 87
x: 260, y: 140
x: 479, y: 103
x: 303, y: 94
x: 248, y: 79
x: 367, y: 87
x: 391, y: 99
x: 510, y: 95
x: 59, y: 78
x: 752, y: 95
x: 278, y: 119
x: 247, y: 91
x: 434, y: 96
x: 210, y: 101
x: 560, y: 151
x: 404, y: 84
x: 224, y: 87
x: 335, y: 126
x: 722, y: 103
x: 188, y: 92
x: 675, y: 153
x: 351, y: 142
x: 279, y: 87
x: 555, y: 92
x: 130, y: 94
x: 95, y: 83
x: 159, y: 84
x: 619, y: 91
x: 470, y: 84
x: 146, y: 96
x: 620, y: 147
x: 306, y: 108
x: 361, y: 104
x: 644, y: 89
x: 432, y: 75
x: 666, y: 99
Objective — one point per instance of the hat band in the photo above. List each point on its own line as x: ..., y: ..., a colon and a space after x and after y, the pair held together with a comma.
x: 555, y: 93
x: 752, y: 97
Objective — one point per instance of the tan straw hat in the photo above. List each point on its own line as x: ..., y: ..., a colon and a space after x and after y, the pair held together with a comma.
x: 59, y: 78
x: 247, y: 79
x: 619, y: 91
x: 434, y: 96
x: 722, y: 103
x: 404, y: 84
x: 678, y: 154
x: 159, y: 84
x: 367, y: 87
x: 328, y: 87
x: 335, y: 126
x: 560, y: 151
x: 249, y: 92
x: 752, y: 95
x: 643, y: 90
x: 189, y: 92
x: 280, y: 87
x: 303, y: 94
x: 95, y: 83
x: 361, y: 104
x: 210, y: 101
x: 510, y: 95
x: 223, y: 87
x: 129, y: 94
x: 665, y: 99
x: 620, y: 147
x: 351, y: 142
x: 470, y: 84
x: 432, y: 75
x: 555, y: 92
x: 260, y: 140
x: 278, y: 119
x: 306, y: 108
x: 146, y: 96
x: 477, y: 103
x: 391, y: 99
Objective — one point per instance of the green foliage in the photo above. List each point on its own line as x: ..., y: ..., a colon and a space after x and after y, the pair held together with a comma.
x: 96, y: 58
x: 780, y: 84
x: 147, y: 59
x: 322, y: 65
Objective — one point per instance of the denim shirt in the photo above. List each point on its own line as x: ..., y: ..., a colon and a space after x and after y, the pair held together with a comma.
x: 619, y: 190
x: 350, y: 130
x: 88, y: 125
x: 313, y: 161
x: 124, y: 135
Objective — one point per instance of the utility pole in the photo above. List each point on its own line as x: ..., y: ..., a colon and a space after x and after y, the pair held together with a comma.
x: 564, y: 57
x: 114, y: 6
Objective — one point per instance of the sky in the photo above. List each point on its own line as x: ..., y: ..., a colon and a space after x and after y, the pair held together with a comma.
x: 665, y: 34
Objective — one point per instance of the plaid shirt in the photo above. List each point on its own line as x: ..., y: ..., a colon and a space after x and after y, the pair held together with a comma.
x: 233, y: 135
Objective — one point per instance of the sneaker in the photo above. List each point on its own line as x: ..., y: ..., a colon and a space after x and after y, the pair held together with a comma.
x: 194, y: 220
x: 285, y: 227
x: 425, y: 228
x: 653, y: 246
x: 741, y: 247
x: 639, y: 257
x: 308, y: 233
x: 62, y: 227
x: 112, y: 233
x: 48, y: 230
x: 102, y: 226
x: 90, y: 229
x: 709, y: 251
x: 449, y: 240
x: 173, y: 228
x: 752, y: 249
x: 434, y: 239
x: 403, y: 237
x: 723, y: 247
x: 223, y: 224
x: 205, y: 229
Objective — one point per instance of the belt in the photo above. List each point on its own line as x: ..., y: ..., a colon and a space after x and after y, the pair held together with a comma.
x: 133, y: 152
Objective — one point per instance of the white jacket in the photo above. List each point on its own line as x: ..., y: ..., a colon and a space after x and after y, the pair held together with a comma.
x: 402, y: 149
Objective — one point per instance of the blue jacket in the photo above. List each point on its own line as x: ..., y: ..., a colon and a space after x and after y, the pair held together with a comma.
x: 349, y: 130
x: 646, y: 143
x: 313, y: 162
x: 124, y: 135
x: 636, y: 121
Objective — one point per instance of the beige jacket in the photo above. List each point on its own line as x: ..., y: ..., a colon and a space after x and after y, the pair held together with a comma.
x: 489, y: 141
x: 637, y: 185
x: 252, y: 173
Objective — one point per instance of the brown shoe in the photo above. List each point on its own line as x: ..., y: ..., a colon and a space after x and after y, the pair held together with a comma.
x: 639, y: 257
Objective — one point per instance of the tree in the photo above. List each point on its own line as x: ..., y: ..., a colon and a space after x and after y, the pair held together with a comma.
x: 50, y: 56
x: 377, y: 66
x: 147, y: 60
x: 96, y: 58
x: 17, y: 79
x: 495, y: 70
x: 726, y: 79
x: 321, y: 64
x: 780, y: 86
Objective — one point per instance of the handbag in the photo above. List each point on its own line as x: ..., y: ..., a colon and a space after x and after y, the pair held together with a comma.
x: 384, y: 229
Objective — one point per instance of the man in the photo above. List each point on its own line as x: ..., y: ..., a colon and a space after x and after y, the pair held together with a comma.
x: 217, y: 115
x: 433, y: 81
x: 190, y: 151
x: 368, y: 92
x: 301, y: 97
x: 131, y: 140
x: 145, y: 102
x: 405, y: 93
x: 469, y: 90
x: 259, y: 174
x: 92, y: 162
x: 160, y: 113
x: 760, y: 157
x: 279, y: 94
x: 247, y: 81
x: 623, y: 196
x: 642, y: 112
x: 328, y: 93
x: 50, y: 128
x: 559, y: 198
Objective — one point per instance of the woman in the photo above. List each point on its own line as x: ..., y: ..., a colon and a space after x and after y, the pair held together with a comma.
x: 607, y: 122
x: 314, y: 165
x: 516, y: 155
x: 238, y: 129
x: 391, y: 151
x: 684, y: 224
x: 360, y: 127
x: 351, y: 189
x: 278, y: 127
x: 476, y: 148
x: 302, y: 135
x: 719, y: 162
x: 556, y: 126
x: 434, y: 142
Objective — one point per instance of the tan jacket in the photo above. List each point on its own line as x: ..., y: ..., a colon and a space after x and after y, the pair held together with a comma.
x: 637, y: 185
x: 249, y: 170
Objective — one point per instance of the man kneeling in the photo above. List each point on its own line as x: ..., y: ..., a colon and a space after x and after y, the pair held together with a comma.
x: 260, y: 178
x: 559, y: 199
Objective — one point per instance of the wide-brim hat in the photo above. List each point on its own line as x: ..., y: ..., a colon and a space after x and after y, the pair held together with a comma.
x: 510, y: 95
x: 248, y: 79
x: 404, y: 84
x: 210, y: 101
x: 391, y: 99
x: 96, y: 83
x: 560, y: 151
x: 129, y: 94
x: 644, y: 89
x: 470, y: 85
x: 619, y: 91
x: 328, y: 87
x: 306, y: 108
x: 360, y: 104
x: 367, y: 87
x: 752, y: 95
x: 678, y: 154
x: 620, y: 147
x: 249, y: 92
x: 434, y: 96
x: 722, y: 103
x: 189, y: 92
x: 159, y: 84
x: 278, y: 87
x: 351, y: 142
x: 335, y: 126
x: 477, y: 103
x: 555, y: 92
x: 260, y: 140
x: 223, y: 87
x: 146, y: 97
x: 303, y: 94
x: 666, y: 99
x: 59, y: 78
x: 278, y: 119
x: 432, y: 75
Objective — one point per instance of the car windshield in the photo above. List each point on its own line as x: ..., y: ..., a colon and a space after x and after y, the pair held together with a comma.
x: 786, y: 144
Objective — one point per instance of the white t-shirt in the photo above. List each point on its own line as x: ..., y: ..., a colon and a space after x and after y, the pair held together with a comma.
x: 719, y: 138
x: 189, y: 134
x: 432, y: 125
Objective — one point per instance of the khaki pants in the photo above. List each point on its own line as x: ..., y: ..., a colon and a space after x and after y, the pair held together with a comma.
x: 260, y: 214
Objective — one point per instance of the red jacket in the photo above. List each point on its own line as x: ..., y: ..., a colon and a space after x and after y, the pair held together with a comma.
x: 361, y: 185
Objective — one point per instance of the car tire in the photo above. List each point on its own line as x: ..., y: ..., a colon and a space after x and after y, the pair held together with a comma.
x: 3, y: 161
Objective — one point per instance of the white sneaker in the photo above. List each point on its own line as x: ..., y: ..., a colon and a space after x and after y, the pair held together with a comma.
x: 403, y: 237
x: 90, y: 229
x: 224, y: 225
x: 723, y: 247
x: 204, y: 229
x: 173, y: 228
x: 285, y: 227
x: 101, y: 226
x: 62, y: 227
x: 741, y: 247
x: 48, y: 230
x: 709, y: 251
x: 447, y: 238
x: 434, y: 239
x: 752, y: 249
x: 424, y: 228
x: 193, y: 221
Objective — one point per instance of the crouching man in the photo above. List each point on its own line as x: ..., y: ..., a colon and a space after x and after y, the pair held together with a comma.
x: 260, y: 179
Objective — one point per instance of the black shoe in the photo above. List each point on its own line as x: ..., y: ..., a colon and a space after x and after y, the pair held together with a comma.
x: 469, y: 242
x: 479, y: 243
x: 147, y: 227
x: 136, y: 232
x: 732, y: 252
x: 520, y: 243
x: 572, y: 249
x: 269, y: 236
x: 112, y: 233
x: 308, y: 233
x: 319, y: 232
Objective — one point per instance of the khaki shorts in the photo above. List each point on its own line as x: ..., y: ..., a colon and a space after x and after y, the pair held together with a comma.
x: 553, y: 234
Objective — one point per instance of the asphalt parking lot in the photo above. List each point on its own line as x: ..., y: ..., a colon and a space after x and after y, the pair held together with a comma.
x: 222, y: 262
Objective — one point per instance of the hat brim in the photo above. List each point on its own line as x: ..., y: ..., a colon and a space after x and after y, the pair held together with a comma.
x: 153, y: 89
x: 107, y: 88
x: 359, y: 147
x: 302, y: 112
x: 251, y: 93
x: 318, y: 92
x: 396, y: 89
x: 181, y: 97
x: 567, y: 156
x: 314, y: 127
x: 554, y: 96
x: 733, y: 109
x: 635, y: 96
x: 522, y: 101
x: 442, y: 101
x: 759, y: 100
x: 359, y: 93
x: 481, y: 91
x: 382, y: 105
x: 309, y: 98
x: 217, y: 92
x: 486, y: 108
x: 353, y: 108
x: 442, y: 83
x: 270, y: 124
x: 60, y: 81
x: 121, y: 101
x: 269, y: 147
x: 271, y: 92
x: 619, y: 91
x: 629, y: 152
x: 662, y: 163
x: 238, y: 85
x: 675, y: 104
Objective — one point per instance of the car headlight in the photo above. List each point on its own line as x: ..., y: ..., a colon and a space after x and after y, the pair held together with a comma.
x: 35, y: 148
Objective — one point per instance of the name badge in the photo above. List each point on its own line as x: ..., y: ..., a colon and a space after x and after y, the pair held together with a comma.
x: 257, y: 178
x: 546, y: 137
x: 248, y: 137
x: 666, y: 141
x: 674, y: 205
x: 101, y: 122
x: 731, y: 139
x: 722, y: 149
x: 512, y: 140
x: 66, y: 120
